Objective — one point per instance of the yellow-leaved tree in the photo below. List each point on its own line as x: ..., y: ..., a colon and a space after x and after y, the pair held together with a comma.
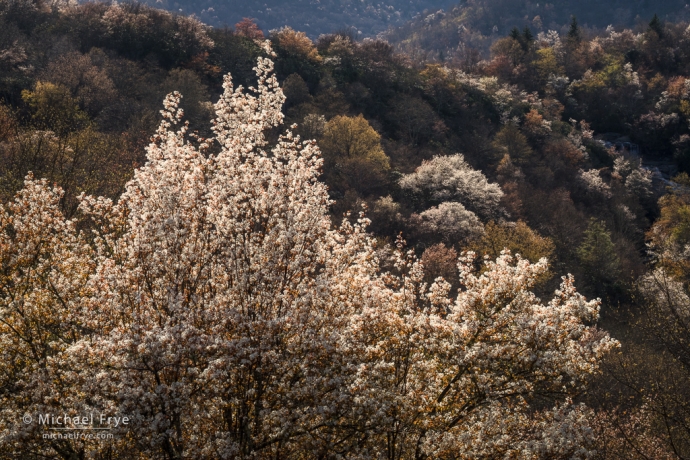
x: 353, y: 156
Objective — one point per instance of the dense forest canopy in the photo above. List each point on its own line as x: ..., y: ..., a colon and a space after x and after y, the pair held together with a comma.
x: 430, y: 25
x: 365, y: 18
x: 476, y: 24
x: 407, y: 278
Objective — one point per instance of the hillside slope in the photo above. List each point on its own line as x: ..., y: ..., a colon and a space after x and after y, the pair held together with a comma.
x: 314, y: 17
x: 476, y: 24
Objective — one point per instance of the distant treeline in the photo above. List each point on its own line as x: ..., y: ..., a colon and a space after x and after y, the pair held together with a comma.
x: 365, y: 18
x: 472, y: 26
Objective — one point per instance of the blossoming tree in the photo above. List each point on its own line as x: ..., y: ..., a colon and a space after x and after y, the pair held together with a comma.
x: 218, y: 308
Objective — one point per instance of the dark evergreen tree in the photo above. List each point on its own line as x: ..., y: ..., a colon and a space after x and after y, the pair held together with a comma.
x: 574, y: 33
x: 527, y: 34
x: 525, y: 39
x: 656, y: 26
x: 515, y: 33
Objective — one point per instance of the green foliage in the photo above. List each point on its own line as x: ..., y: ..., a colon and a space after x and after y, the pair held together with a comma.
x: 518, y: 238
x: 137, y: 31
x: 514, y: 142
x: 527, y: 36
x: 82, y: 161
x: 232, y: 51
x: 347, y: 137
x: 674, y: 221
x: 598, y: 257
x: 670, y: 235
x: 296, y: 55
x: 53, y: 109
x: 683, y: 179
x: 547, y: 65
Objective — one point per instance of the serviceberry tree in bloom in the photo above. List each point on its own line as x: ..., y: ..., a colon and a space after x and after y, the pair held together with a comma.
x: 46, y: 267
x: 453, y: 198
x: 219, y: 309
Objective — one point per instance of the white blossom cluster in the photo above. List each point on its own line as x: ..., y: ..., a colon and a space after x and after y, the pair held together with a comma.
x: 578, y: 137
x: 217, y: 308
x: 451, y: 178
x: 625, y: 39
x: 668, y: 294
x: 637, y: 180
x: 552, y: 40
x: 502, y: 95
x: 639, y: 183
x: 451, y: 220
x: 593, y: 182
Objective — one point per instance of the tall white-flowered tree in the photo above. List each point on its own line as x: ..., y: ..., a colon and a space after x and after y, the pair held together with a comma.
x: 219, y: 309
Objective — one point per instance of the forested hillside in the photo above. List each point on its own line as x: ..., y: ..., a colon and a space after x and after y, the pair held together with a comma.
x: 408, y: 278
x: 365, y: 18
x: 471, y: 27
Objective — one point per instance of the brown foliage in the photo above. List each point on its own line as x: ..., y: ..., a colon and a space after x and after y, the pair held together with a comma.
x: 297, y: 44
x: 248, y: 28
x: 670, y: 235
x: 89, y: 84
x: 563, y: 152
x: 439, y: 260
